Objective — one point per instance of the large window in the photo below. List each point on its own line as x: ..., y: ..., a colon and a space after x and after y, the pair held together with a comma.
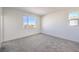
x: 29, y: 22
x: 73, y: 18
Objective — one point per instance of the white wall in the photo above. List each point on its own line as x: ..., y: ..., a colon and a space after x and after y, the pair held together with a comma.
x: 56, y: 24
x: 13, y: 24
x: 0, y: 26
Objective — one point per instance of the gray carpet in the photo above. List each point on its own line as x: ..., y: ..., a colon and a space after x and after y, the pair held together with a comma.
x: 41, y: 43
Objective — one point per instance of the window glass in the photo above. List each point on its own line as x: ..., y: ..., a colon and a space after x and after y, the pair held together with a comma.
x: 29, y: 22
x: 73, y: 18
x: 73, y: 22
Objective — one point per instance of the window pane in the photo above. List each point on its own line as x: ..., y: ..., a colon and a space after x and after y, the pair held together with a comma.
x: 74, y: 15
x: 29, y: 22
x: 25, y: 20
x: 73, y: 22
x: 73, y: 18
x: 32, y: 20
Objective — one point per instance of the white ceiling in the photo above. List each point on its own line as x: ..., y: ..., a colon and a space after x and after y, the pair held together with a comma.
x: 41, y: 10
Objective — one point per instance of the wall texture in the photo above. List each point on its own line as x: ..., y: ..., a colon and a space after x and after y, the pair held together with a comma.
x: 57, y: 24
x: 13, y: 24
x: 0, y: 26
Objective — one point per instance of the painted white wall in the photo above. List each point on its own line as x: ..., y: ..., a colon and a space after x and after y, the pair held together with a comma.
x: 56, y: 24
x: 0, y: 26
x: 13, y: 24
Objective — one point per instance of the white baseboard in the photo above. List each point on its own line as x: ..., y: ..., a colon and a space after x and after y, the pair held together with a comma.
x: 60, y: 37
x: 21, y: 37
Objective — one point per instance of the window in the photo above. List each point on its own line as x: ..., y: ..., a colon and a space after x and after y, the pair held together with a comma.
x: 73, y: 22
x: 74, y: 15
x: 29, y: 22
x: 73, y: 18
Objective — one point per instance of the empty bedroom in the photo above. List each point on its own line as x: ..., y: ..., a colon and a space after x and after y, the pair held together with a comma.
x: 39, y: 29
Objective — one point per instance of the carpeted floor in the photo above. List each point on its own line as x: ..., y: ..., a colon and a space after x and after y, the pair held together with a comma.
x: 41, y: 43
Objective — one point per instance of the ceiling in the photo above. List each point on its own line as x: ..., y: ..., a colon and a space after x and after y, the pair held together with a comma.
x: 41, y: 10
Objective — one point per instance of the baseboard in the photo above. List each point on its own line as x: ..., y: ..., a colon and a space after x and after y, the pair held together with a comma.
x: 21, y: 37
x: 59, y: 37
x: 41, y: 33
